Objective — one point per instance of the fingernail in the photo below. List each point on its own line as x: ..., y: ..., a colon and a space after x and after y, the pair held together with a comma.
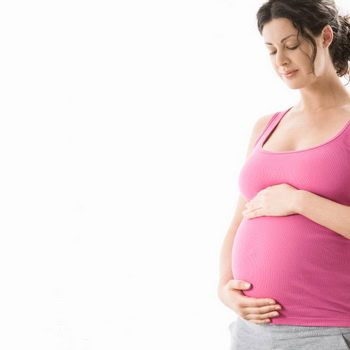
x: 246, y: 285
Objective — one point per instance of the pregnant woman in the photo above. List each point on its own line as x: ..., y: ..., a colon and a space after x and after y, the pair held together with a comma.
x: 290, y: 235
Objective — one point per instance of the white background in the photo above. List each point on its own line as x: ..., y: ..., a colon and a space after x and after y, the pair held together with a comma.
x: 124, y: 125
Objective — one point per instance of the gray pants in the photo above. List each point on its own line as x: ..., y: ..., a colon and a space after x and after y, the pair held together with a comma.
x: 246, y: 335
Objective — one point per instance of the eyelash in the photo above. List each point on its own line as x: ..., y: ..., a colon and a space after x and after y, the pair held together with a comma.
x: 292, y: 48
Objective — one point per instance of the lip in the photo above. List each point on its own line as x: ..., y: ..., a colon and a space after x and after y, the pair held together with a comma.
x: 289, y: 72
x: 291, y: 75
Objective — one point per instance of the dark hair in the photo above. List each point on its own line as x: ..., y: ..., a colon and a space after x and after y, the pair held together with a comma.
x: 313, y: 15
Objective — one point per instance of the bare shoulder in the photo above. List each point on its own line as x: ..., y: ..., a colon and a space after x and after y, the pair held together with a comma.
x: 258, y: 128
x: 262, y: 121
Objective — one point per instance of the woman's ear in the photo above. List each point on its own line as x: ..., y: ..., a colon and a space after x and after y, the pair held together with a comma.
x: 327, y: 36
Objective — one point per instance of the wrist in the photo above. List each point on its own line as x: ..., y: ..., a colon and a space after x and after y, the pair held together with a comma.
x: 299, y: 201
x: 223, y: 281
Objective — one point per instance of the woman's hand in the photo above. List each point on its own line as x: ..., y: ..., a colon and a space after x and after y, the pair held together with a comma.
x: 278, y: 200
x: 254, y: 310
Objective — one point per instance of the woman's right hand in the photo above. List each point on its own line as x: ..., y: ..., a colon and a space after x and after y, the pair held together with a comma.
x: 251, y: 309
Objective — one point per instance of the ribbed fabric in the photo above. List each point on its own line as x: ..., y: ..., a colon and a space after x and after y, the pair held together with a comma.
x: 302, y: 265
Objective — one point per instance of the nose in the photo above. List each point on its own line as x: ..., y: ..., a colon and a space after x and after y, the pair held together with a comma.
x: 281, y: 59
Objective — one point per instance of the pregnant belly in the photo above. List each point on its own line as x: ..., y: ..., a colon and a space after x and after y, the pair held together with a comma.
x: 293, y: 260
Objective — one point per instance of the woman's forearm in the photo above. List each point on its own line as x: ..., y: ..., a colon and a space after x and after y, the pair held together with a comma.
x: 226, y: 258
x: 325, y: 212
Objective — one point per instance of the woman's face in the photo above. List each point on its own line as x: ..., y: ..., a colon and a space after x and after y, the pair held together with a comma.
x: 291, y: 54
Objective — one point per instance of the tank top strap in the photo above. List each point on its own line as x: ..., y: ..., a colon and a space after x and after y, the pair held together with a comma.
x: 274, y: 120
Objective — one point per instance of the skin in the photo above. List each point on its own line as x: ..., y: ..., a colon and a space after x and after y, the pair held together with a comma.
x: 324, y: 105
x: 318, y: 93
x: 323, y: 100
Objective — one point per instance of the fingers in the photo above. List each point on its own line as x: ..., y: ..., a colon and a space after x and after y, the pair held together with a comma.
x: 244, y: 285
x: 260, y: 311
x: 249, y: 301
x: 255, y: 310
x: 256, y: 302
x: 261, y: 314
x: 267, y: 320
x: 239, y: 284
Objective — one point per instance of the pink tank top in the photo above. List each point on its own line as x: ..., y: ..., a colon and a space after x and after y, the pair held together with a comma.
x: 302, y: 265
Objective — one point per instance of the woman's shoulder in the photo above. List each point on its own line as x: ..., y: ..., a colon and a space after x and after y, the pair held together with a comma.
x: 262, y: 123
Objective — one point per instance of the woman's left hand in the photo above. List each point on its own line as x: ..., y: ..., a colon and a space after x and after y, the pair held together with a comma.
x: 277, y: 200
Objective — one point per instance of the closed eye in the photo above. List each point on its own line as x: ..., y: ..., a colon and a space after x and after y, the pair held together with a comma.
x: 289, y: 48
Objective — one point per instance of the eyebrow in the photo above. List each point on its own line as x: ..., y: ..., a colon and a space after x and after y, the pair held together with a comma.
x: 282, y: 39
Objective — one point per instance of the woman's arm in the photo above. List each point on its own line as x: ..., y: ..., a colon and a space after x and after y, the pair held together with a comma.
x: 226, y: 249
x: 324, y: 212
